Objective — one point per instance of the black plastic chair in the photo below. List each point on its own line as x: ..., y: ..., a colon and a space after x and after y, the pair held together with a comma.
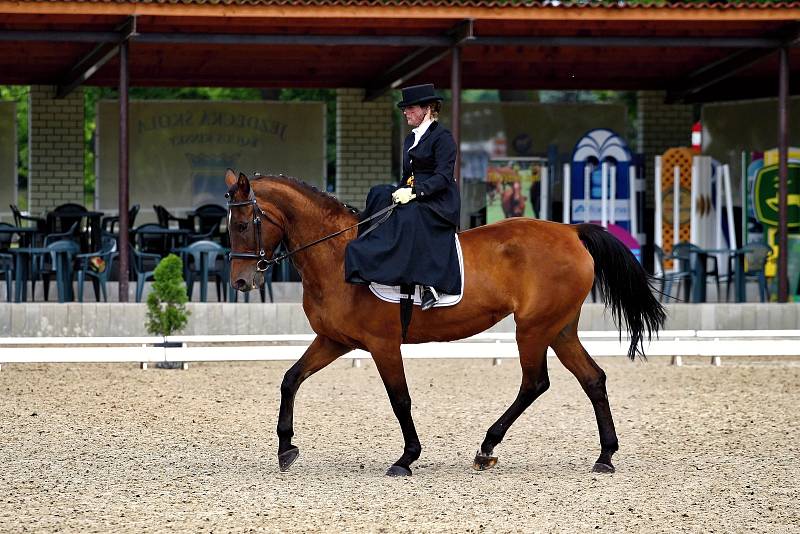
x: 150, y: 238
x: 57, y: 262
x: 667, y: 278
x: 6, y: 239
x: 110, y: 224
x: 144, y: 264
x: 200, y: 264
x: 165, y: 218
x: 755, y: 260
x: 66, y: 215
x: 7, y: 272
x: 212, y: 234
x: 70, y: 235
x: 89, y: 265
x: 208, y: 217
x: 21, y: 220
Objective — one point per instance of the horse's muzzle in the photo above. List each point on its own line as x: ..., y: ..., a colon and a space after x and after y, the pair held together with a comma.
x: 241, y: 285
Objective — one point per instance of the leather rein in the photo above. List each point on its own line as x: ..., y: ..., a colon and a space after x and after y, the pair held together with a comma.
x: 263, y: 263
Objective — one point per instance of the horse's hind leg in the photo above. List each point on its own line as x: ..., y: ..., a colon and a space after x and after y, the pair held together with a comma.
x: 569, y: 350
x: 319, y: 354
x: 533, y: 359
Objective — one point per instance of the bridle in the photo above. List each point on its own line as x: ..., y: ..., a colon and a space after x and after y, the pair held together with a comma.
x: 262, y: 262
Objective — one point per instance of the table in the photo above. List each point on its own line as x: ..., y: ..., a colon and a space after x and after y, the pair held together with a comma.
x: 24, y: 257
x: 177, y: 237
x: 736, y: 269
x: 27, y: 235
x: 695, y: 288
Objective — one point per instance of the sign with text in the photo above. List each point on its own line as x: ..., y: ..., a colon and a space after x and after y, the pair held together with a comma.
x: 179, y: 150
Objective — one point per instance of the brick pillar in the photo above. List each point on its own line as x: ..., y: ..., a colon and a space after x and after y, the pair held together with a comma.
x: 660, y: 126
x: 363, y: 145
x: 55, y: 148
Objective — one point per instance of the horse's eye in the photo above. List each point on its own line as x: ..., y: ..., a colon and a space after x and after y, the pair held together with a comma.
x: 242, y: 227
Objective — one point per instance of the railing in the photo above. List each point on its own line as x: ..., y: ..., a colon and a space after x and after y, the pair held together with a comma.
x: 496, y: 346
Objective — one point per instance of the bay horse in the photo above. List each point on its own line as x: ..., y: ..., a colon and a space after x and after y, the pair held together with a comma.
x: 539, y: 271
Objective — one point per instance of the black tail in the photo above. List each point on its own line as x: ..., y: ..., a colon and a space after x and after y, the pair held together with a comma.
x: 625, y: 286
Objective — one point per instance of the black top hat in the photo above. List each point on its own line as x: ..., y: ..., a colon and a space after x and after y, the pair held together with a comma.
x: 418, y: 94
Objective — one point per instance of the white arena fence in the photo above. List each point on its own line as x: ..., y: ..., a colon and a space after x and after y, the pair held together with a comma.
x: 714, y: 344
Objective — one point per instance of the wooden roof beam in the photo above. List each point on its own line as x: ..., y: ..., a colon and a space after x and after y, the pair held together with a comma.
x: 94, y: 60
x: 409, y: 66
x: 392, y: 40
x: 726, y: 67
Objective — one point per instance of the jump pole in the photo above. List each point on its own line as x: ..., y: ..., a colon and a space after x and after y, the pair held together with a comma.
x: 676, y: 205
x: 544, y: 194
x: 659, y: 214
x: 726, y: 177
x: 604, y: 194
x: 694, y: 226
x: 566, y: 193
x: 587, y: 173
x: 632, y: 201
x: 612, y: 193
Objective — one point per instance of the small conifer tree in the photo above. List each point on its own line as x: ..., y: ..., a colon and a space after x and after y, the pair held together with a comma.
x: 166, y: 303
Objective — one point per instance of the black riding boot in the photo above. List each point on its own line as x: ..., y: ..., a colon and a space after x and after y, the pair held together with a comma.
x: 429, y: 297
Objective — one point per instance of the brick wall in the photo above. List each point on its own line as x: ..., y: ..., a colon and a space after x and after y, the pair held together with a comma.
x: 660, y: 126
x: 363, y: 145
x: 56, y: 148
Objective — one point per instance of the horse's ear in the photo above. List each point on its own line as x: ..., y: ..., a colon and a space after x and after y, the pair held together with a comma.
x: 243, y: 185
x: 230, y: 177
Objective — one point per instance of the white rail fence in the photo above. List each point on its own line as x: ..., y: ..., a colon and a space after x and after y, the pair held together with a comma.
x: 714, y: 344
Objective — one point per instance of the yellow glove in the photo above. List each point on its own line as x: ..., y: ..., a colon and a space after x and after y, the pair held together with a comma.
x: 402, y: 196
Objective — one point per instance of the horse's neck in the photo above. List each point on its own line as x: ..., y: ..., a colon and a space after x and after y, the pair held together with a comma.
x: 307, y: 221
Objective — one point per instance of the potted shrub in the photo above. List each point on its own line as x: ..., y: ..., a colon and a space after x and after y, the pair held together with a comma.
x: 166, y: 303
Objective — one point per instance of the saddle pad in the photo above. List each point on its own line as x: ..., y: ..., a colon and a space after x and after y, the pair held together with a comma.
x: 393, y: 294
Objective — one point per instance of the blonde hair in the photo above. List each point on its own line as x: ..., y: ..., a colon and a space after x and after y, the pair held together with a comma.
x: 436, y: 108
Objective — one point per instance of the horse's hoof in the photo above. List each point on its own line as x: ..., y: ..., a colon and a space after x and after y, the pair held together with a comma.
x: 287, y: 458
x: 398, y: 471
x: 483, y: 461
x: 600, y: 467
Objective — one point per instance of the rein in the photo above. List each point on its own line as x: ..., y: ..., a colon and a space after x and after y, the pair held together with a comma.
x: 263, y: 263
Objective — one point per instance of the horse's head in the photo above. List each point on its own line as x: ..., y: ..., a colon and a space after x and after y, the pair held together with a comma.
x: 253, y: 234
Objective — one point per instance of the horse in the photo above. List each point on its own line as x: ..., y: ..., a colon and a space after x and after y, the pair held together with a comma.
x: 539, y: 271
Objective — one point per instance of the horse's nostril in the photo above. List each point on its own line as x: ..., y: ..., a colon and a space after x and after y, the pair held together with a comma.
x: 241, y: 285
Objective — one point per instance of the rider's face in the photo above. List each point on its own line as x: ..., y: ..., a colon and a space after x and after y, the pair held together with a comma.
x: 415, y: 114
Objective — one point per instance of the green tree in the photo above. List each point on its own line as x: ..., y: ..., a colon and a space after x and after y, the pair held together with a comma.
x: 166, y: 304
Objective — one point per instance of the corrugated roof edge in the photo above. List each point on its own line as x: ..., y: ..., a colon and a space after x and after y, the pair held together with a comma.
x: 615, y: 4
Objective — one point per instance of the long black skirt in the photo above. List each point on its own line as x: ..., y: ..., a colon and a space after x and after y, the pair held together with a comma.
x: 413, y: 246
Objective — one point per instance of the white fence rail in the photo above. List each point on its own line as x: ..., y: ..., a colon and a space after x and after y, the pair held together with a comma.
x: 496, y: 346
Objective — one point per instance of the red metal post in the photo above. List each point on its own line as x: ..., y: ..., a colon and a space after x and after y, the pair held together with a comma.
x: 455, y: 88
x: 783, y: 170
x: 123, y: 172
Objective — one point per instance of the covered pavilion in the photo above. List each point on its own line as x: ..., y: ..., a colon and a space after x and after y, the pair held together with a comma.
x: 686, y: 51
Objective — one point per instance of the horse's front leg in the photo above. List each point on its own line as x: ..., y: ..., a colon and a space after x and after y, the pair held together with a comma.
x: 319, y: 354
x: 390, y: 366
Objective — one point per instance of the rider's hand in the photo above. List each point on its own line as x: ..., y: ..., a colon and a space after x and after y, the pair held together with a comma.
x: 403, y: 195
